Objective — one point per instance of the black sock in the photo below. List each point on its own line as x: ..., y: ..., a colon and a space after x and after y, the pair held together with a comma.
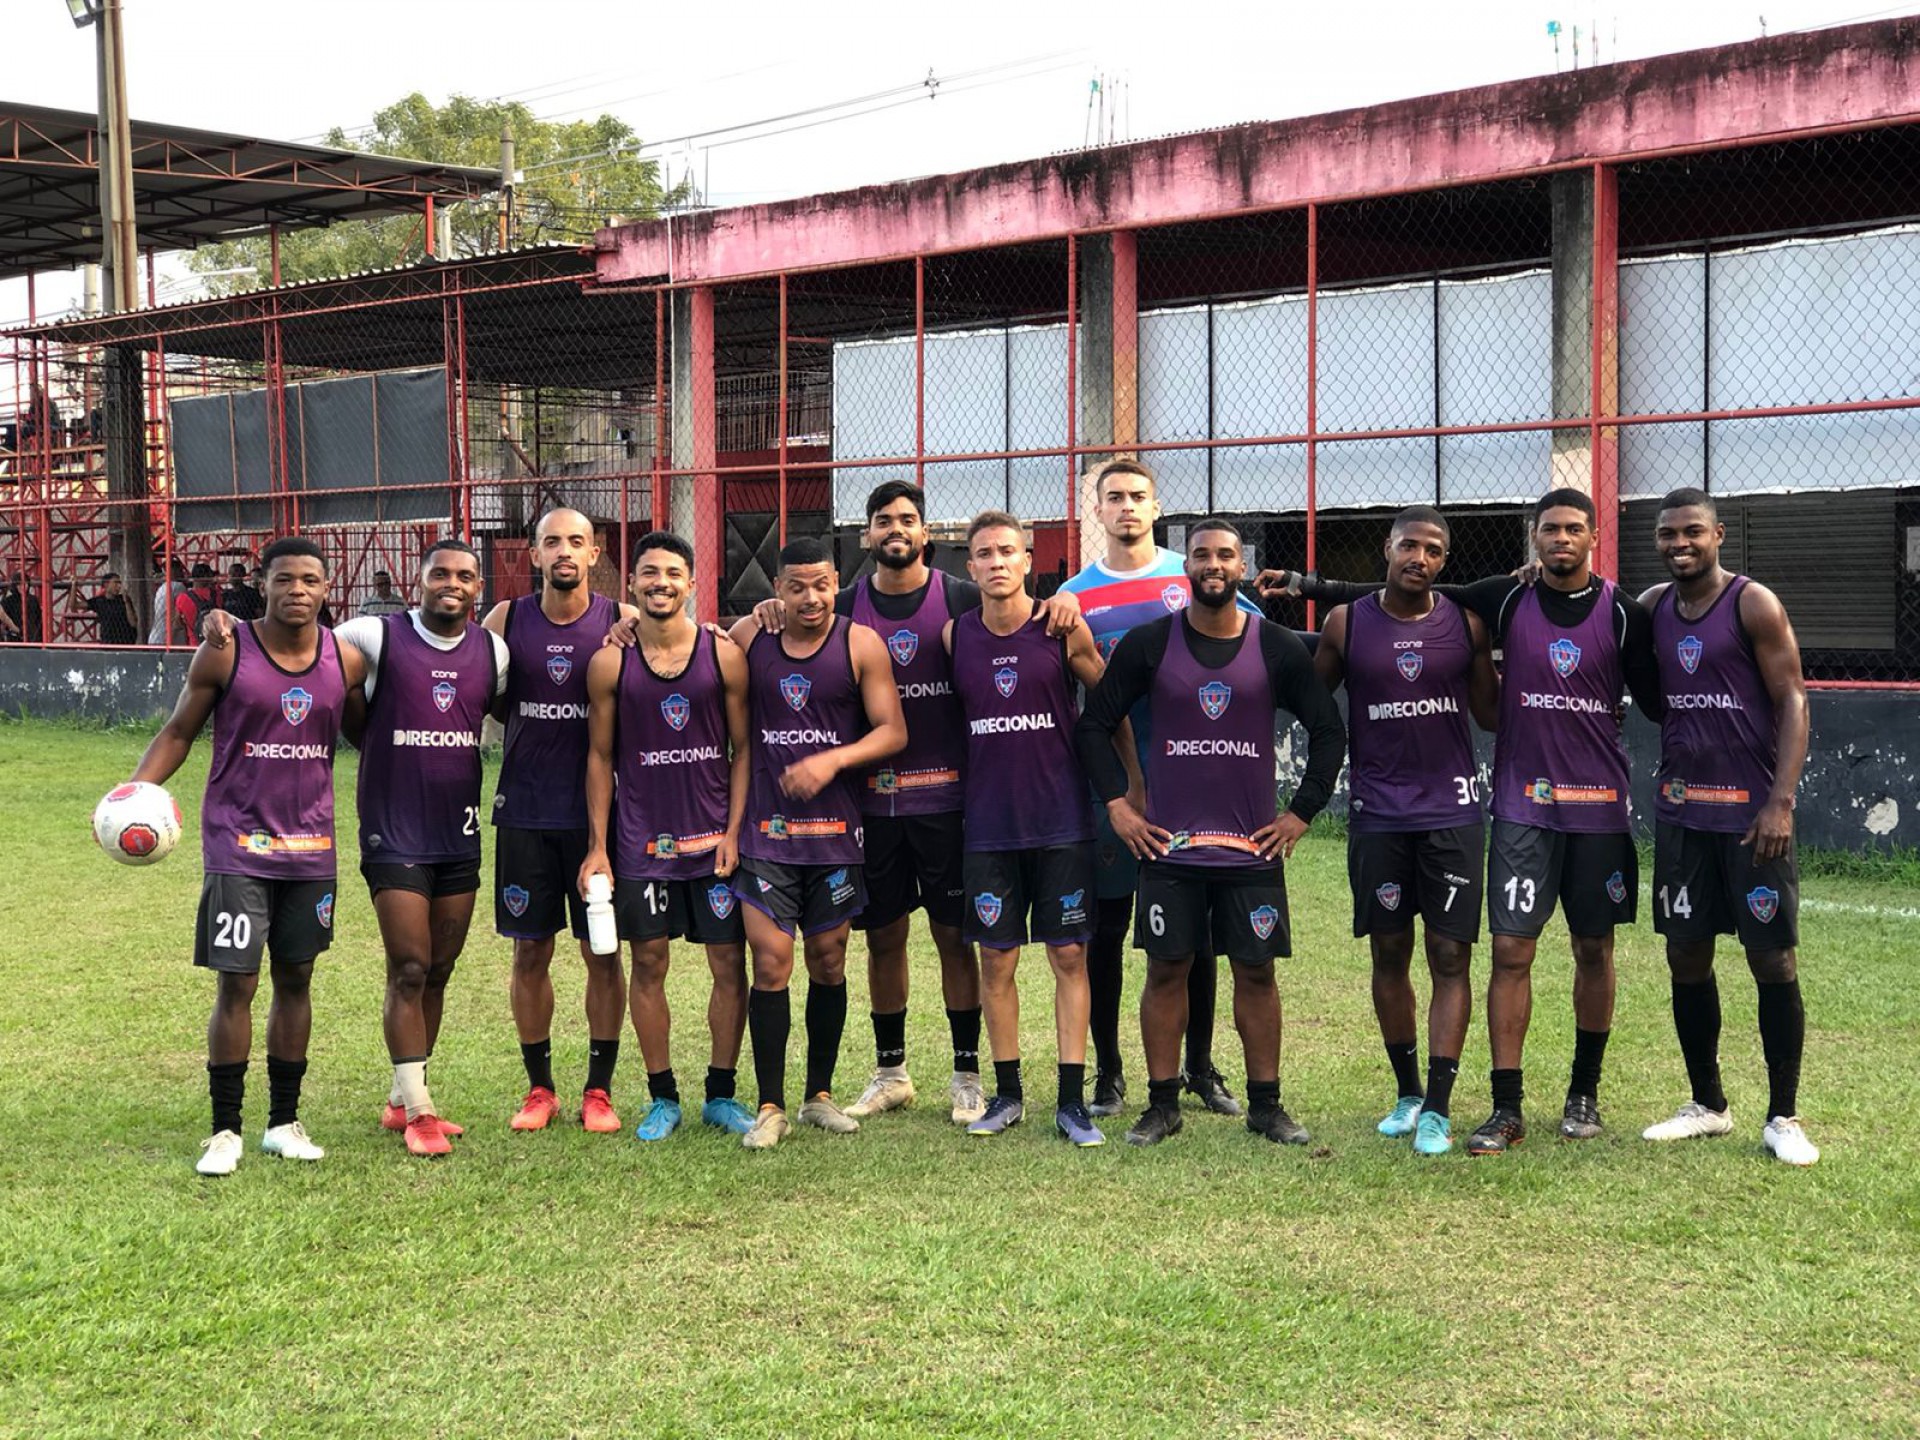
x: 283, y: 1090
x: 1589, y: 1048
x: 662, y: 1086
x: 1696, y: 1020
x: 1508, y: 1092
x: 1105, y: 981
x: 1783, y: 1035
x: 826, y: 1023
x: 227, y: 1085
x: 890, y: 1038
x: 719, y: 1083
x: 964, y: 1025
x: 1164, y: 1094
x: 770, y: 1021
x: 1006, y: 1080
x: 1262, y: 1096
x: 538, y: 1058
x: 602, y: 1056
x: 1406, y: 1067
x: 1442, y: 1071
x: 1203, y: 986
x: 1073, y: 1085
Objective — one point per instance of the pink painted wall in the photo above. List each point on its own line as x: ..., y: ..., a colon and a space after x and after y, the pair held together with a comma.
x: 1847, y: 76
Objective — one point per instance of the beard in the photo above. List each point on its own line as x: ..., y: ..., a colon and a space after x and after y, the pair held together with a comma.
x: 1228, y: 594
x: 905, y: 560
x: 566, y: 582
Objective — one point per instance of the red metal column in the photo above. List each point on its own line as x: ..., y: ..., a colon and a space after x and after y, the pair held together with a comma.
x: 709, y: 528
x: 781, y: 412
x: 1073, y: 401
x: 1604, y: 440
x: 662, y: 511
x: 1313, y: 391
x: 1126, y: 339
x: 466, y: 418
x: 920, y: 371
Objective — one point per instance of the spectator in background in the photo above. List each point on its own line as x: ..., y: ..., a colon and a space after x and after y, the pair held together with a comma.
x: 240, y: 599
x: 20, y: 617
x: 163, y: 599
x: 191, y: 605
x: 112, y: 607
x: 383, y: 601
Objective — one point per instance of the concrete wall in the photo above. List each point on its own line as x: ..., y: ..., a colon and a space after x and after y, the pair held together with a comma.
x: 108, y: 685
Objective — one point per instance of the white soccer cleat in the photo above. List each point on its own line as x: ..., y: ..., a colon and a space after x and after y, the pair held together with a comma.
x: 220, y: 1154
x: 290, y: 1142
x: 968, y: 1098
x: 889, y: 1089
x: 770, y: 1127
x: 821, y: 1112
x: 1787, y: 1141
x: 1690, y: 1122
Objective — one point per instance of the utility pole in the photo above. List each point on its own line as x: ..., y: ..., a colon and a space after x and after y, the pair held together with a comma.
x: 507, y: 178
x: 119, y: 242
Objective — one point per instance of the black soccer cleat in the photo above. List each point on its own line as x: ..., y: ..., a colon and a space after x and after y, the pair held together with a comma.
x: 1109, y: 1093
x: 1581, y: 1119
x: 1212, y: 1090
x: 1278, y: 1126
x: 1498, y: 1133
x: 1154, y: 1125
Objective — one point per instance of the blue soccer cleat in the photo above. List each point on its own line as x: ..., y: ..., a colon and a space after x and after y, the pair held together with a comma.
x: 727, y: 1114
x: 1001, y: 1116
x: 1402, y: 1118
x: 1075, y: 1124
x: 660, y: 1121
x: 1434, y: 1135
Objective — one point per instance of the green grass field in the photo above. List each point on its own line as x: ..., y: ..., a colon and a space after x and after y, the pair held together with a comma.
x: 907, y: 1280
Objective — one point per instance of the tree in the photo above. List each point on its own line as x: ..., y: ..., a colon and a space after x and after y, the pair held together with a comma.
x: 579, y: 176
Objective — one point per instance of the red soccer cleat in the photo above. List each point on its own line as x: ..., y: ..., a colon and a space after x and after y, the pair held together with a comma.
x: 426, y: 1137
x: 596, y: 1113
x: 394, y: 1118
x: 540, y: 1106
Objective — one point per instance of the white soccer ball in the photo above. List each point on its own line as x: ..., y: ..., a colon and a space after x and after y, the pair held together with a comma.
x: 137, y: 823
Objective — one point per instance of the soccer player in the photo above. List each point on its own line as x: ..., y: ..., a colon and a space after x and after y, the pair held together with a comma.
x: 1211, y: 882
x: 1560, y: 829
x: 1029, y: 839
x: 1732, y: 747
x: 277, y: 692
x: 1415, y: 665
x: 433, y: 676
x: 666, y: 790
x: 911, y: 805
x: 823, y: 703
x: 540, y: 814
x: 1136, y: 582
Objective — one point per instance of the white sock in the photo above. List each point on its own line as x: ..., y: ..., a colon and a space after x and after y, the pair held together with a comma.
x: 410, y: 1088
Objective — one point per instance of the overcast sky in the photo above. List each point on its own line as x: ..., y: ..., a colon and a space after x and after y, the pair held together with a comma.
x: 1013, y: 78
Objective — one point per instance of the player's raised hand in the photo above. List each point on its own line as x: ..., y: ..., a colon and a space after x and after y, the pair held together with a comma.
x: 1147, y: 841
x: 216, y: 629
x: 806, y: 778
x: 1281, y: 836
x: 1771, y: 832
x: 1061, y: 612
x: 1276, y: 584
x: 771, y: 615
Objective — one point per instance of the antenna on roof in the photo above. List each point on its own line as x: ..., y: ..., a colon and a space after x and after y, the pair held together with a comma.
x: 1553, y: 34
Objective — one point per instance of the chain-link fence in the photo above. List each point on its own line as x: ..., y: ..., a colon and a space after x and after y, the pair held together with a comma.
x: 1745, y: 321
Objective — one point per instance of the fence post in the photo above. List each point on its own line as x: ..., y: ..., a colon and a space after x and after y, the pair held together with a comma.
x: 1604, y: 441
x: 696, y: 488
x: 1313, y: 395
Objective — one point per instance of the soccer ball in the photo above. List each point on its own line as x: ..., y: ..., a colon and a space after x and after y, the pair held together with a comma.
x: 137, y: 823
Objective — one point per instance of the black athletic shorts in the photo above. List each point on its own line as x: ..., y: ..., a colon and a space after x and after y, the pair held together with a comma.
x: 536, y: 883
x: 1705, y: 884
x: 1053, y: 885
x: 705, y: 911
x: 1431, y: 875
x: 914, y: 862
x: 433, y: 879
x: 1595, y: 879
x: 242, y: 915
x: 810, y: 898
x: 1116, y: 873
x: 1195, y: 911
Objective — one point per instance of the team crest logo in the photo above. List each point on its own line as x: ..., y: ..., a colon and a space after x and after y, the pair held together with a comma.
x: 1565, y: 656
x: 443, y: 694
x: 665, y: 846
x: 559, y: 667
x: 1264, y: 919
x: 885, y: 781
x: 1764, y: 903
x: 1388, y: 895
x: 296, y: 705
x: 1677, y: 791
x: 323, y: 910
x: 720, y: 901
x: 676, y: 710
x: 988, y: 907
x: 516, y: 898
x: 1690, y: 651
x: 1174, y: 597
x: 1411, y: 663
x: 794, y: 690
x: 1541, y: 791
x: 903, y: 645
x: 1004, y: 681
x: 1616, y: 887
x: 777, y: 828
x: 1214, y: 699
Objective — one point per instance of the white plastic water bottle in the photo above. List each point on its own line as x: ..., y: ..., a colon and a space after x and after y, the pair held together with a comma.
x: 603, y: 936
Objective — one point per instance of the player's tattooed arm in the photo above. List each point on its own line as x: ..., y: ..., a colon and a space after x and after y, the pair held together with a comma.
x: 603, y: 682
x: 208, y: 674
x: 1483, y: 681
x: 733, y: 678
x: 1330, y: 655
x: 1776, y: 650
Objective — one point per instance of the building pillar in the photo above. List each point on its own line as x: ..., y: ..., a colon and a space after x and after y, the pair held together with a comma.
x: 1586, y: 352
x: 1108, y: 366
x: 695, y: 498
